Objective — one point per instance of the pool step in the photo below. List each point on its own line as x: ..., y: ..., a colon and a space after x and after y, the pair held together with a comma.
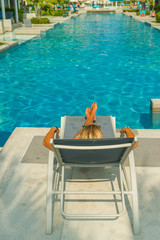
x: 29, y: 31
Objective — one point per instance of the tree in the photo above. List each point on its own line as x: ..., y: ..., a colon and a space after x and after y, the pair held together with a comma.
x: 151, y: 4
x: 40, y: 3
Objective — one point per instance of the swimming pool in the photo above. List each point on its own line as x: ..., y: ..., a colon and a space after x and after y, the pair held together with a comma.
x: 114, y: 62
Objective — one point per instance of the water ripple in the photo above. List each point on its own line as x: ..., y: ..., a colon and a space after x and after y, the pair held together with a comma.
x: 114, y: 62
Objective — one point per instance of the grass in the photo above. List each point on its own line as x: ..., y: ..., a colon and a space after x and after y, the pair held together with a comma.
x: 1, y: 43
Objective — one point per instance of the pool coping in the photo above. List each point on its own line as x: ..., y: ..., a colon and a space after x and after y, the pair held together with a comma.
x: 7, y: 45
x: 147, y: 20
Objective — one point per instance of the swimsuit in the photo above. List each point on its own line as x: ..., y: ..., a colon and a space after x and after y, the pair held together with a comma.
x: 77, y: 136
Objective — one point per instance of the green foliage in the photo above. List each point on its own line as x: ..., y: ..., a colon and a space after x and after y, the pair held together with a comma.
x: 157, y: 8
x: 47, y: 11
x: 45, y: 7
x: 138, y: 13
x: 62, y: 2
x: 28, y: 5
x: 59, y: 13
x: 40, y: 20
x: 147, y: 13
x: 158, y: 17
x: 51, y: 12
x: 42, y: 3
x: 1, y: 43
x: 9, y: 9
x: 151, y: 7
x: 20, y: 14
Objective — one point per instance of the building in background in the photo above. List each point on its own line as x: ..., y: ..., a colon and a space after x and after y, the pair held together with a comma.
x: 5, y: 14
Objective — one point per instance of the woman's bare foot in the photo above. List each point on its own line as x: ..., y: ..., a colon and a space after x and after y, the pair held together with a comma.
x: 91, y: 114
x: 88, y: 112
x: 93, y: 110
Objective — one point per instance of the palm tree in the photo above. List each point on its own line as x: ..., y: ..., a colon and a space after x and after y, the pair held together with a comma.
x: 39, y: 3
x: 131, y: 3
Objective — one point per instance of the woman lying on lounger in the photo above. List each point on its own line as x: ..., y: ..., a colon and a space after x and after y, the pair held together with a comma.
x: 89, y: 130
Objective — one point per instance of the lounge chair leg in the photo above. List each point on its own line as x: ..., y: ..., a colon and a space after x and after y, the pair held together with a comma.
x: 135, y: 194
x: 49, y: 213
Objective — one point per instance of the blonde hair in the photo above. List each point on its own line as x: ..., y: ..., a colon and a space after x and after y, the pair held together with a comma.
x: 91, y: 131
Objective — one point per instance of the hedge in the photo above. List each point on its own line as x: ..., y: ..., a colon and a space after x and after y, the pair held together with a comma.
x: 59, y: 13
x: 147, y: 12
x: 158, y: 17
x: 40, y: 20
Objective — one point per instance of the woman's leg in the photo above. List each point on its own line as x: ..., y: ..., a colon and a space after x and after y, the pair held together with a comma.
x: 88, y: 112
x: 92, y: 106
x: 91, y: 116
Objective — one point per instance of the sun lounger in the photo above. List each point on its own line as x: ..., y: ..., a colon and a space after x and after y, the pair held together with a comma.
x: 27, y: 23
x: 142, y: 13
x: 75, y: 11
x: 99, y: 153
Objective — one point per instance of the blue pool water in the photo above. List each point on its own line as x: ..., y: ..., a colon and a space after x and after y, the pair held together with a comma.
x: 115, y: 62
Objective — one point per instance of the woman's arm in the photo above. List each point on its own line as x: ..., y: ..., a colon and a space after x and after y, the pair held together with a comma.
x: 77, y: 136
x: 50, y: 135
x: 129, y: 133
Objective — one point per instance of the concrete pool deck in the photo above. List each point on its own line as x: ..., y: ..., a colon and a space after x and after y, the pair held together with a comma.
x: 146, y: 19
x: 23, y: 178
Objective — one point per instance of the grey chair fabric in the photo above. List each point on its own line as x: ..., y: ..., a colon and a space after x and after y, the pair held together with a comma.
x: 101, y: 156
x: 74, y: 124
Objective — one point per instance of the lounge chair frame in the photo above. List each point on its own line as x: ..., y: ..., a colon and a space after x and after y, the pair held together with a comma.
x: 54, y: 177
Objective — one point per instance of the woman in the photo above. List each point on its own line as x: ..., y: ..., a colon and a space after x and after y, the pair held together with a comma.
x: 89, y: 130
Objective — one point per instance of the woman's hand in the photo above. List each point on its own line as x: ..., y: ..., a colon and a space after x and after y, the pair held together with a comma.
x: 129, y: 133
x: 54, y: 129
x: 125, y: 129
